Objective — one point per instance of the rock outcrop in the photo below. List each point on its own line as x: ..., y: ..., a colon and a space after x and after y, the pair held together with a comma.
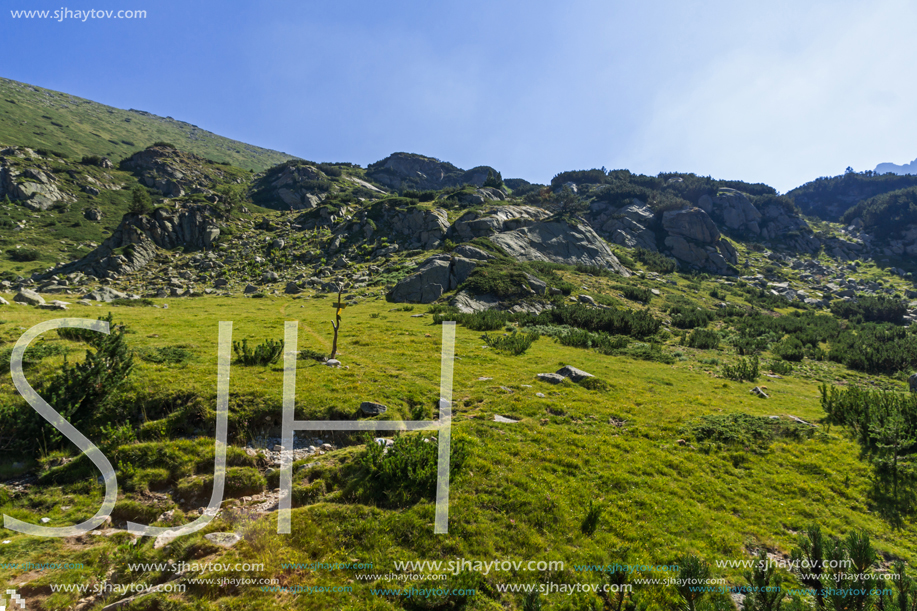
x: 135, y: 241
x: 172, y: 172
x: 410, y: 171
x: 34, y: 188
x: 695, y: 240
x: 630, y: 226
x: 294, y: 184
x: 476, y: 224
x: 434, y: 277
x: 559, y: 242
x: 733, y: 210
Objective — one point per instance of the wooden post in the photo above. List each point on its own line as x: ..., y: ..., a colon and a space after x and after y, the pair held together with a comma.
x: 338, y: 307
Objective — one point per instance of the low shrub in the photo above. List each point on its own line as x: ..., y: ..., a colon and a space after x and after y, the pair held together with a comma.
x: 23, y: 255
x: 876, y: 348
x: 307, y: 494
x: 513, y: 343
x: 871, y: 309
x: 783, y: 368
x: 634, y: 293
x: 133, y: 303
x: 406, y: 471
x: 487, y: 320
x: 166, y: 355
x: 265, y: 353
x: 743, y: 369
x: 690, y: 317
x: 655, y: 261
x: 752, y: 433
x: 790, y: 349
x: 703, y: 339
x: 594, y: 383
x: 639, y: 324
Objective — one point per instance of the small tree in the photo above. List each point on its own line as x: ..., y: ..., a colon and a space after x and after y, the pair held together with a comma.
x: 810, y: 549
x: 691, y: 571
x: 765, y: 591
x: 140, y: 201
x: 495, y: 181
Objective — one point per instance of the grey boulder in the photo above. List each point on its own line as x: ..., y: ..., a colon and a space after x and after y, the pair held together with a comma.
x: 28, y: 297
x: 573, y: 373
x: 372, y: 409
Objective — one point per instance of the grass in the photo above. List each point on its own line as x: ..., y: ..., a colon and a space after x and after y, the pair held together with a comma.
x: 523, y: 489
x: 78, y: 127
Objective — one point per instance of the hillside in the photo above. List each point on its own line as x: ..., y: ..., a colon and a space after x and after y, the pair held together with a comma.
x: 44, y: 119
x: 906, y: 168
x: 648, y: 370
x: 829, y: 198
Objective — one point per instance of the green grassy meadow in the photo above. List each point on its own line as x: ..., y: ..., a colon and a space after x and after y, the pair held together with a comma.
x: 522, y: 493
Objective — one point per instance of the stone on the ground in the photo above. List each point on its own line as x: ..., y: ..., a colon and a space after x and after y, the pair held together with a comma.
x: 573, y: 373
x: 29, y: 297
x: 504, y: 419
x: 552, y: 378
x: 104, y: 294
x: 372, y: 409
x: 223, y: 539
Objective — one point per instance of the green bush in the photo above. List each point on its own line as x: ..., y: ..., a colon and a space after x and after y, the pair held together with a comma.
x: 166, y: 355
x: 783, y: 368
x: 790, y: 349
x: 307, y: 354
x: 35, y: 353
x: 703, y: 339
x: 496, y: 278
x: 655, y: 261
x: 487, y: 320
x: 407, y: 470
x: 77, y: 391
x: 753, y: 433
x: 634, y: 293
x: 594, y: 383
x: 307, y: 494
x: 23, y: 255
x: 639, y: 324
x: 240, y: 481
x: 744, y: 369
x: 876, y: 348
x: 871, y: 309
x: 265, y: 353
x: 133, y: 303
x: 601, y: 342
x: 690, y: 317
x: 514, y: 343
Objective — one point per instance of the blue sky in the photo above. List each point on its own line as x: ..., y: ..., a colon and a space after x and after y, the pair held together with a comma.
x: 776, y: 92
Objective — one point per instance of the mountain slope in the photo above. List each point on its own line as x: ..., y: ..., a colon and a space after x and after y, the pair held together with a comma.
x: 41, y: 118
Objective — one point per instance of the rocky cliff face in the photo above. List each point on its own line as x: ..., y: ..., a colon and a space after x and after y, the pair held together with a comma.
x: 559, y: 242
x: 136, y: 240
x: 409, y: 171
x: 174, y: 173
x: 733, y: 211
x: 24, y: 178
x: 694, y: 239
